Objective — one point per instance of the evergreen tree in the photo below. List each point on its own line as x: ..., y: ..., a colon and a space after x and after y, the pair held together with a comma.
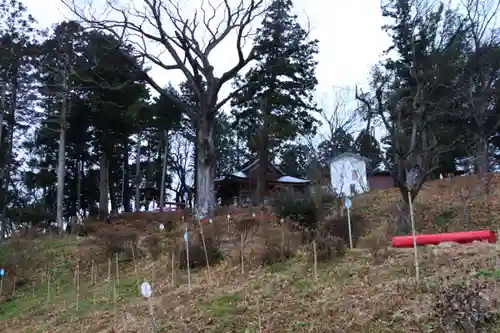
x: 18, y: 47
x: 295, y: 160
x: 340, y: 142
x: 275, y: 97
x: 368, y: 146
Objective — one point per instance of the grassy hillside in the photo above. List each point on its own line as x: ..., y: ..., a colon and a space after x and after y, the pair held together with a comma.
x: 78, y: 285
x: 440, y: 205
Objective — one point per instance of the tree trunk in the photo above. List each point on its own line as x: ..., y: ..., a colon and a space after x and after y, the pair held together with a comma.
x: 103, y: 186
x: 113, y: 197
x: 403, y: 224
x: 61, y: 159
x: 193, y: 195
x: 3, y: 110
x: 263, y: 153
x: 61, y: 173
x: 8, y: 154
x: 205, y: 171
x: 482, y: 163
x: 78, y: 190
x: 125, y: 181
x: 137, y: 180
x: 163, y: 172
x: 6, y: 180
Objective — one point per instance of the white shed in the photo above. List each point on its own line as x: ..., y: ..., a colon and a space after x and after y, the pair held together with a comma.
x: 348, y: 174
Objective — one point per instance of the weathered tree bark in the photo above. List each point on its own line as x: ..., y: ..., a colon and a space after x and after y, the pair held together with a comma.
x: 3, y: 110
x: 61, y: 173
x: 403, y: 224
x: 61, y: 160
x: 205, y: 171
x: 103, y: 186
x: 78, y: 192
x: 126, y: 195
x: 163, y: 171
x: 113, y: 197
x: 137, y: 180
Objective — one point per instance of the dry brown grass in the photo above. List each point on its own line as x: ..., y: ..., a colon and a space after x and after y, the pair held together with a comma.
x: 438, y: 207
x: 370, y: 289
x: 353, y: 295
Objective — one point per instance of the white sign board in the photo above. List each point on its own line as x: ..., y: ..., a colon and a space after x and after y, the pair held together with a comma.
x: 146, y: 290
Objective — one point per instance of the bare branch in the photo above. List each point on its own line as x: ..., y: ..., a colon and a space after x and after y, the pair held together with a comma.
x: 338, y: 117
x: 146, y: 29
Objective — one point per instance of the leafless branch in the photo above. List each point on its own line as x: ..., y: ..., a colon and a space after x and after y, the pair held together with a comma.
x: 338, y: 117
x: 148, y: 28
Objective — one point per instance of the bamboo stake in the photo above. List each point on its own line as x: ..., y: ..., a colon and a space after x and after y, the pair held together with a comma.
x: 109, y: 269
x: 48, y: 286
x: 117, y: 271
x: 315, y: 260
x: 259, y: 319
x: 173, y: 268
x: 242, y: 249
x: 77, y: 285
x: 415, y: 251
x: 92, y: 274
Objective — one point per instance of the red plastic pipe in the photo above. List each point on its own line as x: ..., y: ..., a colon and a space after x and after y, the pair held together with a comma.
x: 457, y: 237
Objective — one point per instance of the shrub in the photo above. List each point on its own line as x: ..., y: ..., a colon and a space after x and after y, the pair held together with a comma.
x: 267, y: 245
x: 301, y: 209
x: 463, y: 308
x: 328, y: 247
x: 126, y: 243
x: 197, y: 253
x: 21, y: 260
x: 339, y: 227
x: 246, y: 226
x: 154, y: 246
x: 275, y: 251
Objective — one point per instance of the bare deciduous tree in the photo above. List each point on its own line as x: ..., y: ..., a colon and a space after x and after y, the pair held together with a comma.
x: 339, y: 116
x: 481, y: 75
x: 338, y: 120
x: 148, y: 23
x: 414, y: 113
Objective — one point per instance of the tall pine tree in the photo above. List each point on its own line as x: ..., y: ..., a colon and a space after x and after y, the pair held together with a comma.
x: 276, y: 98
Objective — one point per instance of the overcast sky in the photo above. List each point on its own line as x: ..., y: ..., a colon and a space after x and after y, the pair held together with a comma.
x: 349, y: 34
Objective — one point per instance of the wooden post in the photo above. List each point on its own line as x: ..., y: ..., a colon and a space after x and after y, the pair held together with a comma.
x: 350, y: 227
x: 173, y: 268
x: 242, y: 249
x: 415, y: 251
x: 315, y: 260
